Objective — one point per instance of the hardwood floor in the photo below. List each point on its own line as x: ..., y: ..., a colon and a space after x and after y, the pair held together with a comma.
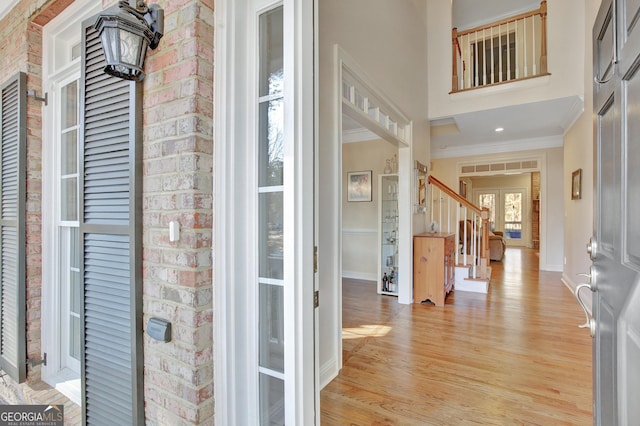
x: 514, y: 356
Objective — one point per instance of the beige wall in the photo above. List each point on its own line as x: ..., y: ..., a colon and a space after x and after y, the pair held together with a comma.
x: 579, y: 154
x: 360, y: 219
x: 502, y: 181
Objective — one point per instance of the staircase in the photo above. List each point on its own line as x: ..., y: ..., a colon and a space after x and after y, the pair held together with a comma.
x: 452, y: 213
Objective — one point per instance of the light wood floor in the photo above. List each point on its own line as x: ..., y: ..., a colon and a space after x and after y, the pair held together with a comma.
x: 514, y: 356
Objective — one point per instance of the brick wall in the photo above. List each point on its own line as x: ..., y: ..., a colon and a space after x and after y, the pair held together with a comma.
x: 177, y: 186
x: 21, y: 47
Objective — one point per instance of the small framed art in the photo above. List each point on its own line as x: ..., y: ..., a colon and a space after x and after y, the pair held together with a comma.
x: 359, y: 186
x: 576, y: 185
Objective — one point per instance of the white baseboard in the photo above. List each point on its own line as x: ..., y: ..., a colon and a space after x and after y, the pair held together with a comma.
x: 551, y: 268
x: 359, y: 276
x: 473, y: 286
x: 328, y: 371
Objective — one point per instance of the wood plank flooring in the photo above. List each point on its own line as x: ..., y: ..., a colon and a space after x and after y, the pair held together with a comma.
x: 512, y: 357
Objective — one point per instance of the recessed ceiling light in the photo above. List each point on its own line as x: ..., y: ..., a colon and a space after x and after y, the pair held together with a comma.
x: 499, y: 129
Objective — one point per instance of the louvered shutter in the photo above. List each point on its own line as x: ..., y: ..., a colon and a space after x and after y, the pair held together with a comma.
x: 13, y: 135
x: 109, y: 228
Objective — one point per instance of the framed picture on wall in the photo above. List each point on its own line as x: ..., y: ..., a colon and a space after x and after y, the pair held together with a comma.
x: 576, y: 185
x: 463, y: 189
x: 359, y: 186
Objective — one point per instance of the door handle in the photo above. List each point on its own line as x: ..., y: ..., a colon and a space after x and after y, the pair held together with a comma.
x: 589, y: 322
x: 592, y: 275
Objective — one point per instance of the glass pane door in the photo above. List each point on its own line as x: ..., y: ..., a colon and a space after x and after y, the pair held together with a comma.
x: 488, y: 200
x: 513, y: 215
x: 270, y: 218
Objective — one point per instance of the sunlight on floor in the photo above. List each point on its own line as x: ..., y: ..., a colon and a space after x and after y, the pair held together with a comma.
x: 365, y: 331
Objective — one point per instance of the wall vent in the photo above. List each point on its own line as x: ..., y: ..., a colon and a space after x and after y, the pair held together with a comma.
x: 524, y: 166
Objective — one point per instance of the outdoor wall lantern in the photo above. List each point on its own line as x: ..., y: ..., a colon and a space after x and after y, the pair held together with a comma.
x: 126, y: 30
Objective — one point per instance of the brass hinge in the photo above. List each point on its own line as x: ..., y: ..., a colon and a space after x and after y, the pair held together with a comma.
x: 316, y: 299
x: 315, y: 259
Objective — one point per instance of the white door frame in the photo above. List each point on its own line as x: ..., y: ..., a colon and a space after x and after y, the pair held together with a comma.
x: 525, y: 238
x: 235, y: 345
x: 329, y: 239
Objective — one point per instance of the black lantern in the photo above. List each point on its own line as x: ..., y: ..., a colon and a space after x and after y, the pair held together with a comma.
x: 126, y: 32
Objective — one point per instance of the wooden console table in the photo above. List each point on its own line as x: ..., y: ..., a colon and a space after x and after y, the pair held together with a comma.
x: 433, y: 266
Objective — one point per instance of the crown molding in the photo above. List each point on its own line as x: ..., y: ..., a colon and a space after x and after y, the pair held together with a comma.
x: 497, y: 148
x: 358, y: 135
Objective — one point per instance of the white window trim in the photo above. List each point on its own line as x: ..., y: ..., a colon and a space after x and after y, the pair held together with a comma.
x: 65, y: 29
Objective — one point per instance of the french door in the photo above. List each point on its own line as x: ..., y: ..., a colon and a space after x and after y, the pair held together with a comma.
x: 507, y: 212
x: 264, y: 153
x: 615, y: 245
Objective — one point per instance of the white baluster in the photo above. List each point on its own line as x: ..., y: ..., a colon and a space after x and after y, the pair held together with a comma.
x: 470, y: 63
x: 492, y: 74
x: 524, y: 43
x: 508, y: 54
x: 440, y: 209
x: 449, y: 214
x: 484, y: 58
x: 517, y: 51
x: 432, y: 201
x: 533, y: 48
x: 499, y: 53
x: 458, y: 236
x: 476, y: 71
x: 464, y: 234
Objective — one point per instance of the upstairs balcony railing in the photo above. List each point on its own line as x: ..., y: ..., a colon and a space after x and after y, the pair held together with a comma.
x: 511, y: 49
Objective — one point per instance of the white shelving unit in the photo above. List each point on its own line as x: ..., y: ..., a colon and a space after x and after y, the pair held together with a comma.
x: 388, y: 234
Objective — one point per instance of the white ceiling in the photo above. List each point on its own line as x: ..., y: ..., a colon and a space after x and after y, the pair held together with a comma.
x: 472, y: 13
x: 526, y: 126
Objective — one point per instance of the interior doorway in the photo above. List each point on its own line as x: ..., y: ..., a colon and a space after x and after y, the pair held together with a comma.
x: 366, y: 109
x: 362, y: 152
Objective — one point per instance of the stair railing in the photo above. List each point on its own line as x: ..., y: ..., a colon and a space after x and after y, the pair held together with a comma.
x: 453, y: 213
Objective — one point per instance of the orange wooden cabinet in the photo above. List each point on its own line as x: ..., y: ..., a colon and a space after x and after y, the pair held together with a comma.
x: 433, y: 266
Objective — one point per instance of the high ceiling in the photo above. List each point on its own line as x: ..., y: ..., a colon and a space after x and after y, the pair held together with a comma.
x: 526, y: 126
x: 471, y: 13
